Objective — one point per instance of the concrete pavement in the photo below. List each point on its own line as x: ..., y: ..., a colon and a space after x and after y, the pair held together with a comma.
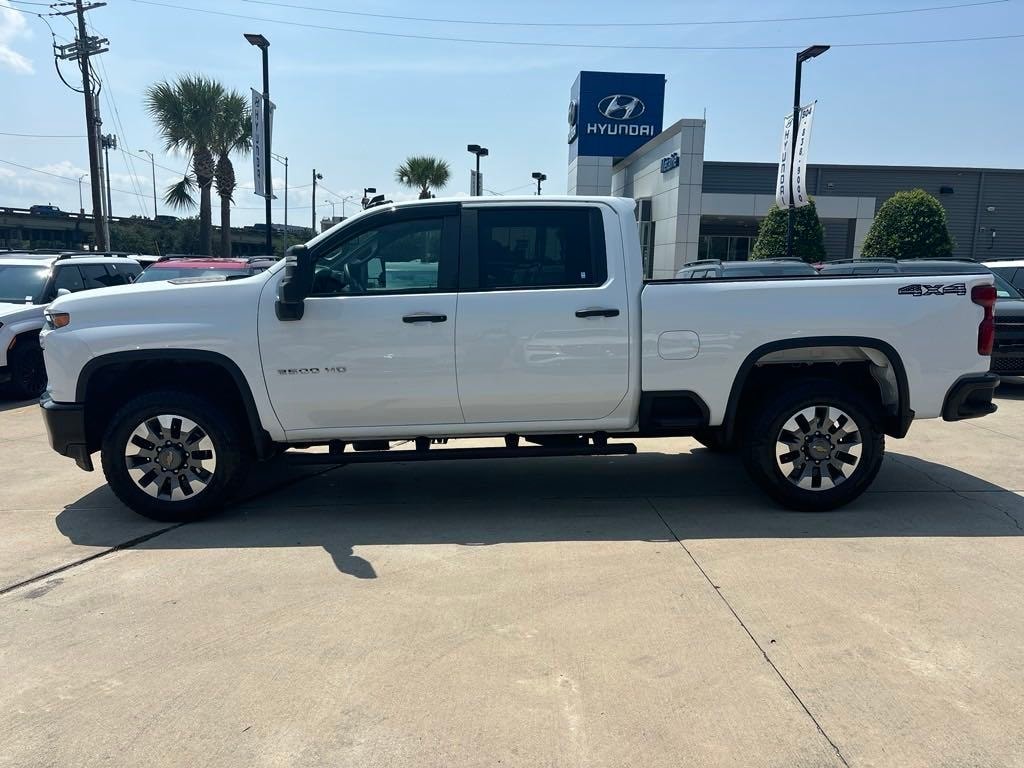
x: 649, y: 610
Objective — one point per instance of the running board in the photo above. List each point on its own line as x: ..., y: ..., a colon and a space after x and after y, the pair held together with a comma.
x: 449, y: 454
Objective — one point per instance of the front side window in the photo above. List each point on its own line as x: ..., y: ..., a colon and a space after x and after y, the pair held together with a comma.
x: 68, y: 277
x: 400, y: 256
x: 538, y: 248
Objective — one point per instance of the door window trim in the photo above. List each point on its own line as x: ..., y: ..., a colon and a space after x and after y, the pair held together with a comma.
x: 469, y: 259
x: 448, y: 265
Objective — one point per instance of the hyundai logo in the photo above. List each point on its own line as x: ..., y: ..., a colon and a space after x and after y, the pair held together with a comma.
x: 619, y: 106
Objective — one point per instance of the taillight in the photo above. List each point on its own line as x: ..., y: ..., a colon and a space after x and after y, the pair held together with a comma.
x: 985, y: 297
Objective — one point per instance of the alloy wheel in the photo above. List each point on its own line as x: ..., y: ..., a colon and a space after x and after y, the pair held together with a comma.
x: 818, y: 447
x: 170, y: 457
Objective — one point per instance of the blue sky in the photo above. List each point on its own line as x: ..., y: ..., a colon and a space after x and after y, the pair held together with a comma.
x: 355, y: 105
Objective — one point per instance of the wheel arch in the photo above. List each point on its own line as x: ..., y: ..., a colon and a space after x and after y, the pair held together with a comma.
x: 898, y: 414
x: 99, y: 368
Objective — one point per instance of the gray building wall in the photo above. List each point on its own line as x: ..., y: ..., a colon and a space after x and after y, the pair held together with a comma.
x: 974, y: 192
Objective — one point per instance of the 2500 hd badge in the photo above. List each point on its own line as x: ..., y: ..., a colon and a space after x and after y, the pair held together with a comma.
x: 304, y: 371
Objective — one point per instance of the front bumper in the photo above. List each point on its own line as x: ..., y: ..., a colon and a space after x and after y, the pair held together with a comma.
x: 65, y: 424
x: 970, y: 397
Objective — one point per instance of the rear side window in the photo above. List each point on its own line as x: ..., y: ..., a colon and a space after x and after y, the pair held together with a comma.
x: 95, y: 276
x: 121, y: 274
x: 540, y: 248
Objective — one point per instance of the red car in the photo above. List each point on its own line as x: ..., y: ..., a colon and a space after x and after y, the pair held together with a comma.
x: 175, y: 267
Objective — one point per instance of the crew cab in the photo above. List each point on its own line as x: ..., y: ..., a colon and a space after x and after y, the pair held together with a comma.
x: 522, y: 318
x: 28, y: 282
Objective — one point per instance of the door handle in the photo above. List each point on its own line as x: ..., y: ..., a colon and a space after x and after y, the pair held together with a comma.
x: 597, y: 312
x: 424, y: 317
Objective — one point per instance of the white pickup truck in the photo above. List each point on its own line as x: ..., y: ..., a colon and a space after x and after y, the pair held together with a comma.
x: 522, y: 318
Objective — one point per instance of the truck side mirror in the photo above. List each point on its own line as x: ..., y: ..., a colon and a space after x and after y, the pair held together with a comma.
x: 296, y: 284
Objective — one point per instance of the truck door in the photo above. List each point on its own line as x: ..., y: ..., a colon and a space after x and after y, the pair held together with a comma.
x: 543, y: 326
x: 376, y: 344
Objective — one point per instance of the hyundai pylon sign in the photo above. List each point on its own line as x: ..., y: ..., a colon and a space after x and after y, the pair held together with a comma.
x: 613, y: 113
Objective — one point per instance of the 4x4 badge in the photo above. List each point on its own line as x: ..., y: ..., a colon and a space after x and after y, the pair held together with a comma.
x: 919, y: 289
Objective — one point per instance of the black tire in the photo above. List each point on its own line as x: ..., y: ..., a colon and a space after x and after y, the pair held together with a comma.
x: 28, y: 372
x: 713, y: 439
x: 230, y: 449
x: 764, y: 427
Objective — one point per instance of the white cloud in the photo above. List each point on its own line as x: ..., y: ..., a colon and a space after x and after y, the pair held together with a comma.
x: 13, y: 26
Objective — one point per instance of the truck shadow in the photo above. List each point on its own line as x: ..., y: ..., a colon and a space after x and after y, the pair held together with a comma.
x: 1010, y: 388
x: 653, y: 497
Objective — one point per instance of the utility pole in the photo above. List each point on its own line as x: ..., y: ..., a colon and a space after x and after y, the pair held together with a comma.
x: 108, y: 142
x: 313, y: 217
x: 81, y: 49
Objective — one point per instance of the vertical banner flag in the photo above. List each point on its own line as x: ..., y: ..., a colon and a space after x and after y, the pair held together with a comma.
x: 261, y: 177
x: 782, y: 185
x: 476, y: 183
x: 803, y: 141
x: 791, y: 185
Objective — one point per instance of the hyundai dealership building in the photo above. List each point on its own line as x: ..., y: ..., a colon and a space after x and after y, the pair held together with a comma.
x: 689, y: 208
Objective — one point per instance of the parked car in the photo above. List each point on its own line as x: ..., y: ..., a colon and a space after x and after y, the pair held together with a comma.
x: 30, y: 281
x: 1011, y: 270
x: 1008, y: 353
x: 714, y: 268
x: 872, y: 266
x: 181, y: 267
x: 536, y: 325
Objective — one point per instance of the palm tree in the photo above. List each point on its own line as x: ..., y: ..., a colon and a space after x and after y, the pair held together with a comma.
x: 186, y: 113
x: 424, y: 172
x: 232, y: 133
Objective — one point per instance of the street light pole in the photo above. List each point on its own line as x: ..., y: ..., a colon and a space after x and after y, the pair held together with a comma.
x: 313, y: 212
x: 804, y: 55
x: 81, y: 203
x: 284, y: 159
x: 264, y: 45
x: 479, y: 151
x: 539, y: 177
x: 152, y: 167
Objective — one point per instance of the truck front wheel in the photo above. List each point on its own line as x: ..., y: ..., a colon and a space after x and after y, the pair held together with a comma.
x: 172, y: 456
x: 815, y: 446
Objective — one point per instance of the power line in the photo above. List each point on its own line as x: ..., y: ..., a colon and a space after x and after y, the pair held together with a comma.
x: 56, y: 175
x: 537, y: 44
x: 44, y: 135
x: 619, y: 24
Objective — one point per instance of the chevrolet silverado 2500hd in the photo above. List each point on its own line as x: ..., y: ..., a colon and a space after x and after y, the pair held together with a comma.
x: 523, y: 318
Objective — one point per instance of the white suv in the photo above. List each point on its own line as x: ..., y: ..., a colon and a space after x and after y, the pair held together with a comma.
x: 30, y: 281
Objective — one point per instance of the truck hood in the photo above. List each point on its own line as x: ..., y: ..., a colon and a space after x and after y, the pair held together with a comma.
x: 9, y: 313
x: 161, y: 303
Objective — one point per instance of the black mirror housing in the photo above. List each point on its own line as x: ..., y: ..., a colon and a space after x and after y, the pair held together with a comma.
x: 296, y: 284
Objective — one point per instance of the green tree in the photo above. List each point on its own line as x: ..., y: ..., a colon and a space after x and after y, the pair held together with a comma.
x: 423, y: 172
x: 909, y: 225
x: 808, y: 235
x: 232, y: 133
x: 186, y: 112
x: 134, y: 237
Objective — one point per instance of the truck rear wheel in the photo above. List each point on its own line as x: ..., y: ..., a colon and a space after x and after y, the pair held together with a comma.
x: 173, y: 456
x: 815, y: 446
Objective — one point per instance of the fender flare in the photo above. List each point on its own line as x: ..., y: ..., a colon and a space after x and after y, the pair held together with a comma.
x: 898, y: 422
x: 261, y: 439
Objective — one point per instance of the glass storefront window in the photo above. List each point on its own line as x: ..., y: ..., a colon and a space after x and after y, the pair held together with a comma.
x: 725, y: 247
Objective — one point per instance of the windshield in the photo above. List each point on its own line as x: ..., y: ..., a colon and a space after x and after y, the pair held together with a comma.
x: 169, y: 273
x: 22, y: 283
x: 1004, y: 290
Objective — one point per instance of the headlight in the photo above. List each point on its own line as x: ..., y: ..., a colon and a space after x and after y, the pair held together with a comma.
x: 56, y: 319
